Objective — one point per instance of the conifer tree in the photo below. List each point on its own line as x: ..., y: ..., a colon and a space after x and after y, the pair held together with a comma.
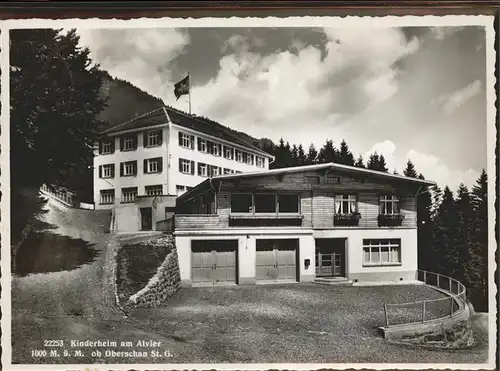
x: 345, y: 156
x: 312, y: 154
x: 448, y: 262
x: 359, y: 162
x: 477, y: 272
x: 328, y: 152
x: 301, y: 156
x: 294, y: 156
x: 464, y: 232
x: 410, y: 171
x: 382, y: 166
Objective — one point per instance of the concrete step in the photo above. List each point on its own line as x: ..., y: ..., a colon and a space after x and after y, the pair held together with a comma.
x: 332, y: 281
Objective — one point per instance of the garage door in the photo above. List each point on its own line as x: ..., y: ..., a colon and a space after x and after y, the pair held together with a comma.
x: 213, y: 262
x: 276, y: 260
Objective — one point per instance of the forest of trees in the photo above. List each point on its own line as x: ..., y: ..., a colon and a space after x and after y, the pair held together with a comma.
x: 453, y: 229
x: 57, y: 104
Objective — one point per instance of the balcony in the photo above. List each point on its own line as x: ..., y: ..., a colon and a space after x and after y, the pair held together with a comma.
x: 390, y: 220
x: 346, y: 220
x: 265, y: 220
x: 197, y: 221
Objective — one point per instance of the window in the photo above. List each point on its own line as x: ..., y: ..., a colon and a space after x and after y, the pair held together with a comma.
x: 153, y: 138
x: 228, y: 171
x: 288, y: 203
x: 128, y: 142
x: 381, y: 252
x: 202, y: 145
x: 265, y: 203
x: 154, y: 190
x: 241, y: 203
x: 153, y: 165
x: 238, y: 155
x: 249, y: 159
x: 311, y: 179
x: 189, y: 188
x: 107, y: 196
x: 180, y: 189
x: 107, y: 171
x: 228, y: 153
x: 186, y: 166
x: 128, y: 168
x: 331, y: 179
x: 129, y: 194
x: 259, y: 161
x: 214, y: 171
x: 107, y: 147
x: 389, y: 205
x: 186, y: 140
x: 202, y: 169
x: 345, y: 204
x: 214, y: 148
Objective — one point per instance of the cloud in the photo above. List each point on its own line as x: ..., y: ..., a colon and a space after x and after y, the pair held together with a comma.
x: 294, y: 88
x: 431, y: 166
x: 386, y: 148
x: 436, y: 170
x: 140, y: 56
x: 450, y: 103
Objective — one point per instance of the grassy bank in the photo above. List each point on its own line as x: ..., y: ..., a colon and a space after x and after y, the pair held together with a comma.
x: 136, y: 265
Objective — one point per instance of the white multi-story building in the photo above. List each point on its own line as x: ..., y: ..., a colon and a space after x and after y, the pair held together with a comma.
x: 140, y: 166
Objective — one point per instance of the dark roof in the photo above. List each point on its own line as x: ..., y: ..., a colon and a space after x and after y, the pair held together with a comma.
x: 200, y: 124
x: 153, y: 118
x: 302, y: 169
x: 209, y: 127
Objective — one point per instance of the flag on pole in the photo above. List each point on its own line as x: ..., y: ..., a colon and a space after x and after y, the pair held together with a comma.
x: 182, y: 87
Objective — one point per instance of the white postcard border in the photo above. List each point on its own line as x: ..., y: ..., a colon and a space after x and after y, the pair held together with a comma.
x: 306, y: 21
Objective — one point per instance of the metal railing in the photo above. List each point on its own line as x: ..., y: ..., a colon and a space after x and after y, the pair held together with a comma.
x: 429, y: 310
x: 65, y: 196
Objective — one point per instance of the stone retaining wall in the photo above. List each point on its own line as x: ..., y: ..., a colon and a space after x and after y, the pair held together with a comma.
x: 164, y: 283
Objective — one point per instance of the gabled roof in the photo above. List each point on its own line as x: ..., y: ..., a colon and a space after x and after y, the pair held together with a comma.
x: 308, y: 168
x: 165, y: 114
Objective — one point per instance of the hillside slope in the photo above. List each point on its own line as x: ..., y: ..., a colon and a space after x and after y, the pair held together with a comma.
x: 126, y: 101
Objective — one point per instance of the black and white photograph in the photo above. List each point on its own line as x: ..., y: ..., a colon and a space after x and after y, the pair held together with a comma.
x: 236, y: 193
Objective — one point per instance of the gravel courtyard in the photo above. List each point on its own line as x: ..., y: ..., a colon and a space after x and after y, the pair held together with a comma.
x: 290, y: 323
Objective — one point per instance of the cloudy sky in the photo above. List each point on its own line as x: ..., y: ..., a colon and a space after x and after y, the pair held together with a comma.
x: 409, y: 93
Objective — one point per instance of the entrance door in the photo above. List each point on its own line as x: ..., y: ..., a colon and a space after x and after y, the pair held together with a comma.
x: 276, y: 260
x: 213, y: 262
x: 146, y: 218
x: 330, y: 257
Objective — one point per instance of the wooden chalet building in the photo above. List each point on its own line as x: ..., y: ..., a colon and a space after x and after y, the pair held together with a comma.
x: 299, y: 224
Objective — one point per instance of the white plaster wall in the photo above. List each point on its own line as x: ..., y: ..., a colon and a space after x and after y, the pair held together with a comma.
x: 246, y: 257
x: 409, y: 251
x: 127, y: 218
x: 183, y: 245
x: 140, y: 180
x: 307, y: 250
x: 176, y: 152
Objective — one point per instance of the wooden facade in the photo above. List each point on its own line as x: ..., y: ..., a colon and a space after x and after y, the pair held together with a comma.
x: 316, y: 190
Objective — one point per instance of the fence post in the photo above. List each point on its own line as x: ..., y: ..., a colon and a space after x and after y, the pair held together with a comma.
x: 423, y: 311
x: 386, y: 316
x: 425, y: 277
x: 451, y: 306
x: 450, y: 284
x: 437, y: 279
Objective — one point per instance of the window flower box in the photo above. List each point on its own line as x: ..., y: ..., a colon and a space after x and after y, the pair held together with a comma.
x: 347, y: 220
x: 390, y: 220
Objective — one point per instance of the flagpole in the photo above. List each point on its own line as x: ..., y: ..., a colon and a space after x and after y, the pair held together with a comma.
x: 189, y: 90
